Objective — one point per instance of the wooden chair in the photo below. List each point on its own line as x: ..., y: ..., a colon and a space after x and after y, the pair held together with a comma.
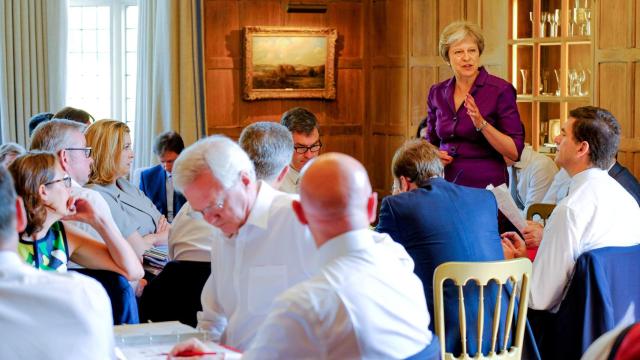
x: 515, y: 272
x: 540, y: 209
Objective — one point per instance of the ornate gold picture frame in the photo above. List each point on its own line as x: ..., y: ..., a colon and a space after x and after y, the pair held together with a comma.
x: 289, y: 63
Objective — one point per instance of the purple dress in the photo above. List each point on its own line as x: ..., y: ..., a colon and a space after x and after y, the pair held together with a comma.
x: 475, y: 162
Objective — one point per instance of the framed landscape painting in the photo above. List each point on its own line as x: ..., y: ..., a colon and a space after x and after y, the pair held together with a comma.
x: 289, y: 63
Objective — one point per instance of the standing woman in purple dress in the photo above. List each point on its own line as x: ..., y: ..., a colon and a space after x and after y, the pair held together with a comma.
x: 473, y: 117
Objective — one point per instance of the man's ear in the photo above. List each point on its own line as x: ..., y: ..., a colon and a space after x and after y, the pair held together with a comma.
x: 64, y: 159
x: 244, y: 178
x: 405, y: 185
x: 372, y: 206
x: 297, y: 208
x: 583, y: 150
x: 21, y: 215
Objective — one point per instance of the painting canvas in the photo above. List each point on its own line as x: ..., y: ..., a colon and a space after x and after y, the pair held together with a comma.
x: 289, y: 63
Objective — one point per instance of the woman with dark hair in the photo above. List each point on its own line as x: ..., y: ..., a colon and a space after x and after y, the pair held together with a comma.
x: 48, y: 242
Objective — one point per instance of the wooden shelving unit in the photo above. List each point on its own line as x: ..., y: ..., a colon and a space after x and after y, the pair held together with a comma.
x: 559, y: 69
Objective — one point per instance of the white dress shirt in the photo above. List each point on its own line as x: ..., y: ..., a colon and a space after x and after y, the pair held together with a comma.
x: 190, y: 236
x: 598, y: 212
x: 271, y: 252
x: 50, y: 315
x: 291, y: 182
x: 99, y: 205
x: 535, y: 174
x: 559, y: 187
x: 366, y: 304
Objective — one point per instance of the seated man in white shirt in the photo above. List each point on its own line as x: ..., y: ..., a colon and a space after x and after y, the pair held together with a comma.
x: 46, y: 314
x: 303, y: 126
x: 270, y: 147
x: 530, y: 178
x: 366, y: 302
x: 259, y: 249
x: 598, y: 212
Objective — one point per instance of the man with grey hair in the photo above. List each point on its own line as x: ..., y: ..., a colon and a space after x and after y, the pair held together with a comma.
x: 270, y: 147
x: 259, y: 248
x: 66, y: 139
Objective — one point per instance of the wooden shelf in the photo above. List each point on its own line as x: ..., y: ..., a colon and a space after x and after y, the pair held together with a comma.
x: 561, y: 64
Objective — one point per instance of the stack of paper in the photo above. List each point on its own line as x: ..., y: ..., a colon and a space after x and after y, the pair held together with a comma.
x: 156, y: 257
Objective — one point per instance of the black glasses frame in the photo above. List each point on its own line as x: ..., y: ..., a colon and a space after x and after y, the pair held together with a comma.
x: 302, y: 149
x: 87, y: 150
x: 66, y: 180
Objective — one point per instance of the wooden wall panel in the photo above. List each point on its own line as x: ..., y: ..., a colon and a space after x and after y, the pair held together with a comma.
x: 342, y: 121
x: 612, y: 76
x: 617, y: 59
x: 614, y: 23
x: 387, y: 59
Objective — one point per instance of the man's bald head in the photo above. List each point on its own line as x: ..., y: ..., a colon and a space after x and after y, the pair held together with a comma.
x: 335, y: 196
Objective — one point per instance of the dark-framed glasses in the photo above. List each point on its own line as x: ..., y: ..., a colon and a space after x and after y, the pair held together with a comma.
x: 314, y: 148
x: 66, y: 180
x: 86, y: 150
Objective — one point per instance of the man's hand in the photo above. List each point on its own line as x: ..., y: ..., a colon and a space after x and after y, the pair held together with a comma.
x: 532, y: 234
x: 513, y: 246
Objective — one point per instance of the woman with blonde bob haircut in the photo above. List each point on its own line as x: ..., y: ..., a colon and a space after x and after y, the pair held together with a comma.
x: 135, y: 215
x: 48, y: 241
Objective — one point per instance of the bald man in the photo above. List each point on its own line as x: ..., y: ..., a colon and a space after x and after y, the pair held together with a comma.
x: 366, y: 303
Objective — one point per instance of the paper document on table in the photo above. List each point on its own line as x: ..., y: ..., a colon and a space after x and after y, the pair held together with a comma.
x: 507, y: 206
x: 160, y: 351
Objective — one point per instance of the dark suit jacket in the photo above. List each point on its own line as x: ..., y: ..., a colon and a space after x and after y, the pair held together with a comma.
x: 153, y: 185
x: 444, y: 222
x: 626, y: 179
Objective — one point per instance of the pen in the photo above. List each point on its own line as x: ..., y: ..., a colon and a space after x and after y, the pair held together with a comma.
x: 188, y: 353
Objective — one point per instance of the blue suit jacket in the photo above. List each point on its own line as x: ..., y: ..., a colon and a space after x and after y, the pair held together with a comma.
x: 444, y: 222
x: 153, y: 185
x: 626, y: 179
x: 604, y: 291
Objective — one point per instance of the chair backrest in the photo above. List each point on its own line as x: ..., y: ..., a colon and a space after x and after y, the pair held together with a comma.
x: 540, y: 209
x: 515, y: 273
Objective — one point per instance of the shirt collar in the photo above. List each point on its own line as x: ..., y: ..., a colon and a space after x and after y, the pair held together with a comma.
x: 259, y: 215
x: 480, y: 80
x: 584, y: 176
x: 10, y: 258
x: 525, y: 158
x: 344, y: 244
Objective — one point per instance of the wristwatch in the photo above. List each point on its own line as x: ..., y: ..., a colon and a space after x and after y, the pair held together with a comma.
x: 482, y: 126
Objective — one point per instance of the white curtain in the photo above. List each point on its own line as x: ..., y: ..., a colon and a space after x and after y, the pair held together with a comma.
x: 169, y: 84
x: 33, y: 39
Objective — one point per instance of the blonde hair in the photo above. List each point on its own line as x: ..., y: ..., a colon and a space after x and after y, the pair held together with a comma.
x: 106, y: 138
x: 457, y: 31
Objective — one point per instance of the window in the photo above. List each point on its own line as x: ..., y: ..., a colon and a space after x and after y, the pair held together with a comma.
x: 102, y: 58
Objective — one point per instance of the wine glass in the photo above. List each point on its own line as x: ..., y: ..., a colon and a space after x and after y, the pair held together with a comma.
x: 573, y: 75
x: 544, y: 86
x: 543, y: 22
x: 556, y: 72
x: 525, y: 75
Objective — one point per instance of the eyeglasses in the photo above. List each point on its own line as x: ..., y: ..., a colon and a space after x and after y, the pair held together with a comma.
x: 301, y: 149
x: 66, y: 180
x: 219, y: 204
x: 87, y: 150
